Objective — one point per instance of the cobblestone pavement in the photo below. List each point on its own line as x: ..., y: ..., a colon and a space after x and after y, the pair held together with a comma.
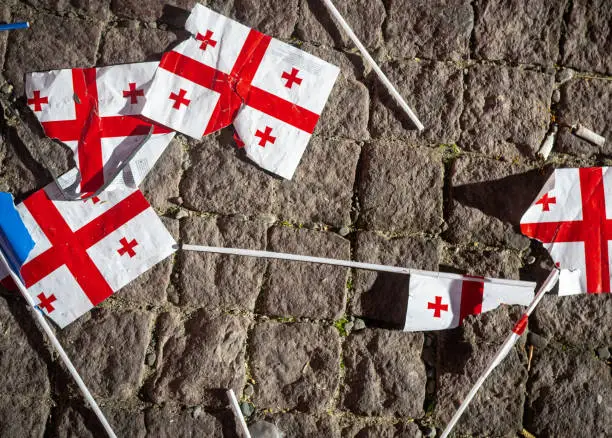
x: 314, y: 348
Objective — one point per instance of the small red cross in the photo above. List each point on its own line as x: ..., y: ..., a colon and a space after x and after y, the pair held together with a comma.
x: 45, y: 302
x: 545, y: 201
x: 179, y: 98
x: 133, y: 93
x: 37, y: 101
x: 206, y: 39
x: 291, y: 78
x: 265, y: 136
x: 127, y: 247
x: 438, y: 307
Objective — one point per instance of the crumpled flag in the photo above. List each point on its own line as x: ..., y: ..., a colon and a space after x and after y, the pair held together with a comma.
x: 228, y: 73
x: 572, y: 217
x: 96, y: 112
x: 87, y: 249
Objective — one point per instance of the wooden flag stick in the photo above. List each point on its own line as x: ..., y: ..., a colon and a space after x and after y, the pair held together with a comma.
x: 503, y: 351
x: 392, y: 90
x: 58, y: 347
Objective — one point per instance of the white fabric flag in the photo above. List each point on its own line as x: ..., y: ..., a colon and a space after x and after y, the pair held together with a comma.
x: 87, y: 250
x: 437, y: 303
x: 96, y: 112
x: 227, y: 73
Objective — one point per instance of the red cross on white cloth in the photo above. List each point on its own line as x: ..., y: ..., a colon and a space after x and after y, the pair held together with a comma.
x: 241, y: 82
x: 96, y: 112
x: 75, y: 263
x: 578, y: 230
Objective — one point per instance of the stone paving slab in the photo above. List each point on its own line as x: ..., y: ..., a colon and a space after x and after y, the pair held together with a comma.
x: 318, y: 350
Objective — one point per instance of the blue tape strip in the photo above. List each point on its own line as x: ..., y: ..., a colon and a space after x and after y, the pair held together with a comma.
x: 15, y: 240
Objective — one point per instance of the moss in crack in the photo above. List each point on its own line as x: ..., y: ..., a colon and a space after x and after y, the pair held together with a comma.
x: 340, y: 325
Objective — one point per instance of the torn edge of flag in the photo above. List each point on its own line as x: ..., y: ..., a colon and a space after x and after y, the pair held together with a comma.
x: 15, y: 240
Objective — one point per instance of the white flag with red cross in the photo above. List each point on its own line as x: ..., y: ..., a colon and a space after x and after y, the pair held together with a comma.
x: 87, y: 250
x: 96, y: 112
x: 228, y: 73
x: 572, y: 217
x: 442, y: 302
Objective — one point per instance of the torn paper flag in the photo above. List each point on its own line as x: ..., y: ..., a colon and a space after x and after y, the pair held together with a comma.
x: 87, y: 250
x: 572, y: 217
x: 15, y: 241
x: 228, y: 73
x: 437, y: 303
x: 95, y: 111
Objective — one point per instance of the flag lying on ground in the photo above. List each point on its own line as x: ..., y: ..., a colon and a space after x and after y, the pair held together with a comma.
x: 437, y: 303
x: 228, y: 73
x: 87, y: 250
x: 572, y: 217
x: 95, y: 112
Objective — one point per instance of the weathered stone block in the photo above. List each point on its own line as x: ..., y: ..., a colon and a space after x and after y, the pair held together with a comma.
x: 586, y: 101
x: 151, y: 10
x: 108, y: 349
x: 588, y: 45
x: 199, y: 358
x: 400, y: 187
x: 384, y: 296
x: 23, y: 416
x: 382, y: 366
x: 306, y: 289
x: 297, y: 425
x: 295, y: 366
x: 51, y: 42
x: 429, y: 29
x: 316, y: 24
x: 162, y: 183
x: 271, y: 17
x: 399, y: 430
x: 76, y: 419
x: 506, y: 111
x: 570, y: 395
x: 221, y: 281
x: 433, y: 90
x: 171, y: 423
x: 501, y: 263
x: 5, y: 17
x: 518, y: 31
x: 122, y: 45
x: 93, y: 8
x: 579, y: 320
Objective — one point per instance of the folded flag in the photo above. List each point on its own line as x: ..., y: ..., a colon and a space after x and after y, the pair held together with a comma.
x: 437, y: 303
x: 87, y: 250
x: 228, y: 73
x: 570, y: 217
x: 95, y: 112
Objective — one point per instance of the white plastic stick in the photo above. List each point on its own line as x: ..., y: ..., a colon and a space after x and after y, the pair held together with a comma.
x: 400, y: 100
x: 58, y: 347
x: 238, y: 413
x: 346, y: 263
x: 503, y: 351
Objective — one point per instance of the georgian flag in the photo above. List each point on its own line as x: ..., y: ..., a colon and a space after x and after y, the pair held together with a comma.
x: 228, y: 73
x: 438, y: 303
x: 572, y: 217
x: 96, y: 112
x: 87, y: 250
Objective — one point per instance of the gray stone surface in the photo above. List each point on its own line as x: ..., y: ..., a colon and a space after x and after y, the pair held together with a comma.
x: 476, y: 260
x: 123, y: 44
x: 108, y: 348
x: 434, y: 91
x: 152, y: 10
x: 298, y: 425
x: 305, y: 289
x: 170, y: 423
x: 382, y: 367
x: 95, y: 8
x: 429, y: 29
x: 271, y: 17
x: 78, y: 422
x: 570, y: 394
x: 221, y: 281
x: 588, y: 44
x: 23, y: 416
x: 199, y: 357
x: 506, y: 111
x: 525, y: 32
x: 585, y: 101
x: 395, y: 193
x: 399, y: 430
x: 294, y: 365
x: 162, y: 183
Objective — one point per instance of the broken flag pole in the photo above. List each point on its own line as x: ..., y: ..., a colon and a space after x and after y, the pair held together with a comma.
x: 503, y: 351
x: 387, y: 83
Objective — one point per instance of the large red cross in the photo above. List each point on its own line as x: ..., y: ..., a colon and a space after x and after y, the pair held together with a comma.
x: 179, y: 99
x: 37, y: 101
x: 236, y: 88
x: 127, y: 247
x: 595, y: 230
x: 69, y: 248
x: 265, y: 137
x: 46, y: 303
x: 88, y: 128
x: 206, y: 39
x: 292, y: 78
x: 133, y: 93
x: 438, y: 307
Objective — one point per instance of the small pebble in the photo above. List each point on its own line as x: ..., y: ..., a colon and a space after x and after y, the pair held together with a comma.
x: 247, y: 409
x: 536, y: 340
x: 197, y: 412
x: 248, y: 390
x: 564, y: 75
x: 263, y: 429
x: 180, y: 214
x: 531, y: 260
x: 556, y: 96
x: 429, y: 432
x: 603, y: 353
x: 6, y: 88
x: 344, y: 231
x: 349, y: 326
x: 358, y: 325
x: 150, y: 359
